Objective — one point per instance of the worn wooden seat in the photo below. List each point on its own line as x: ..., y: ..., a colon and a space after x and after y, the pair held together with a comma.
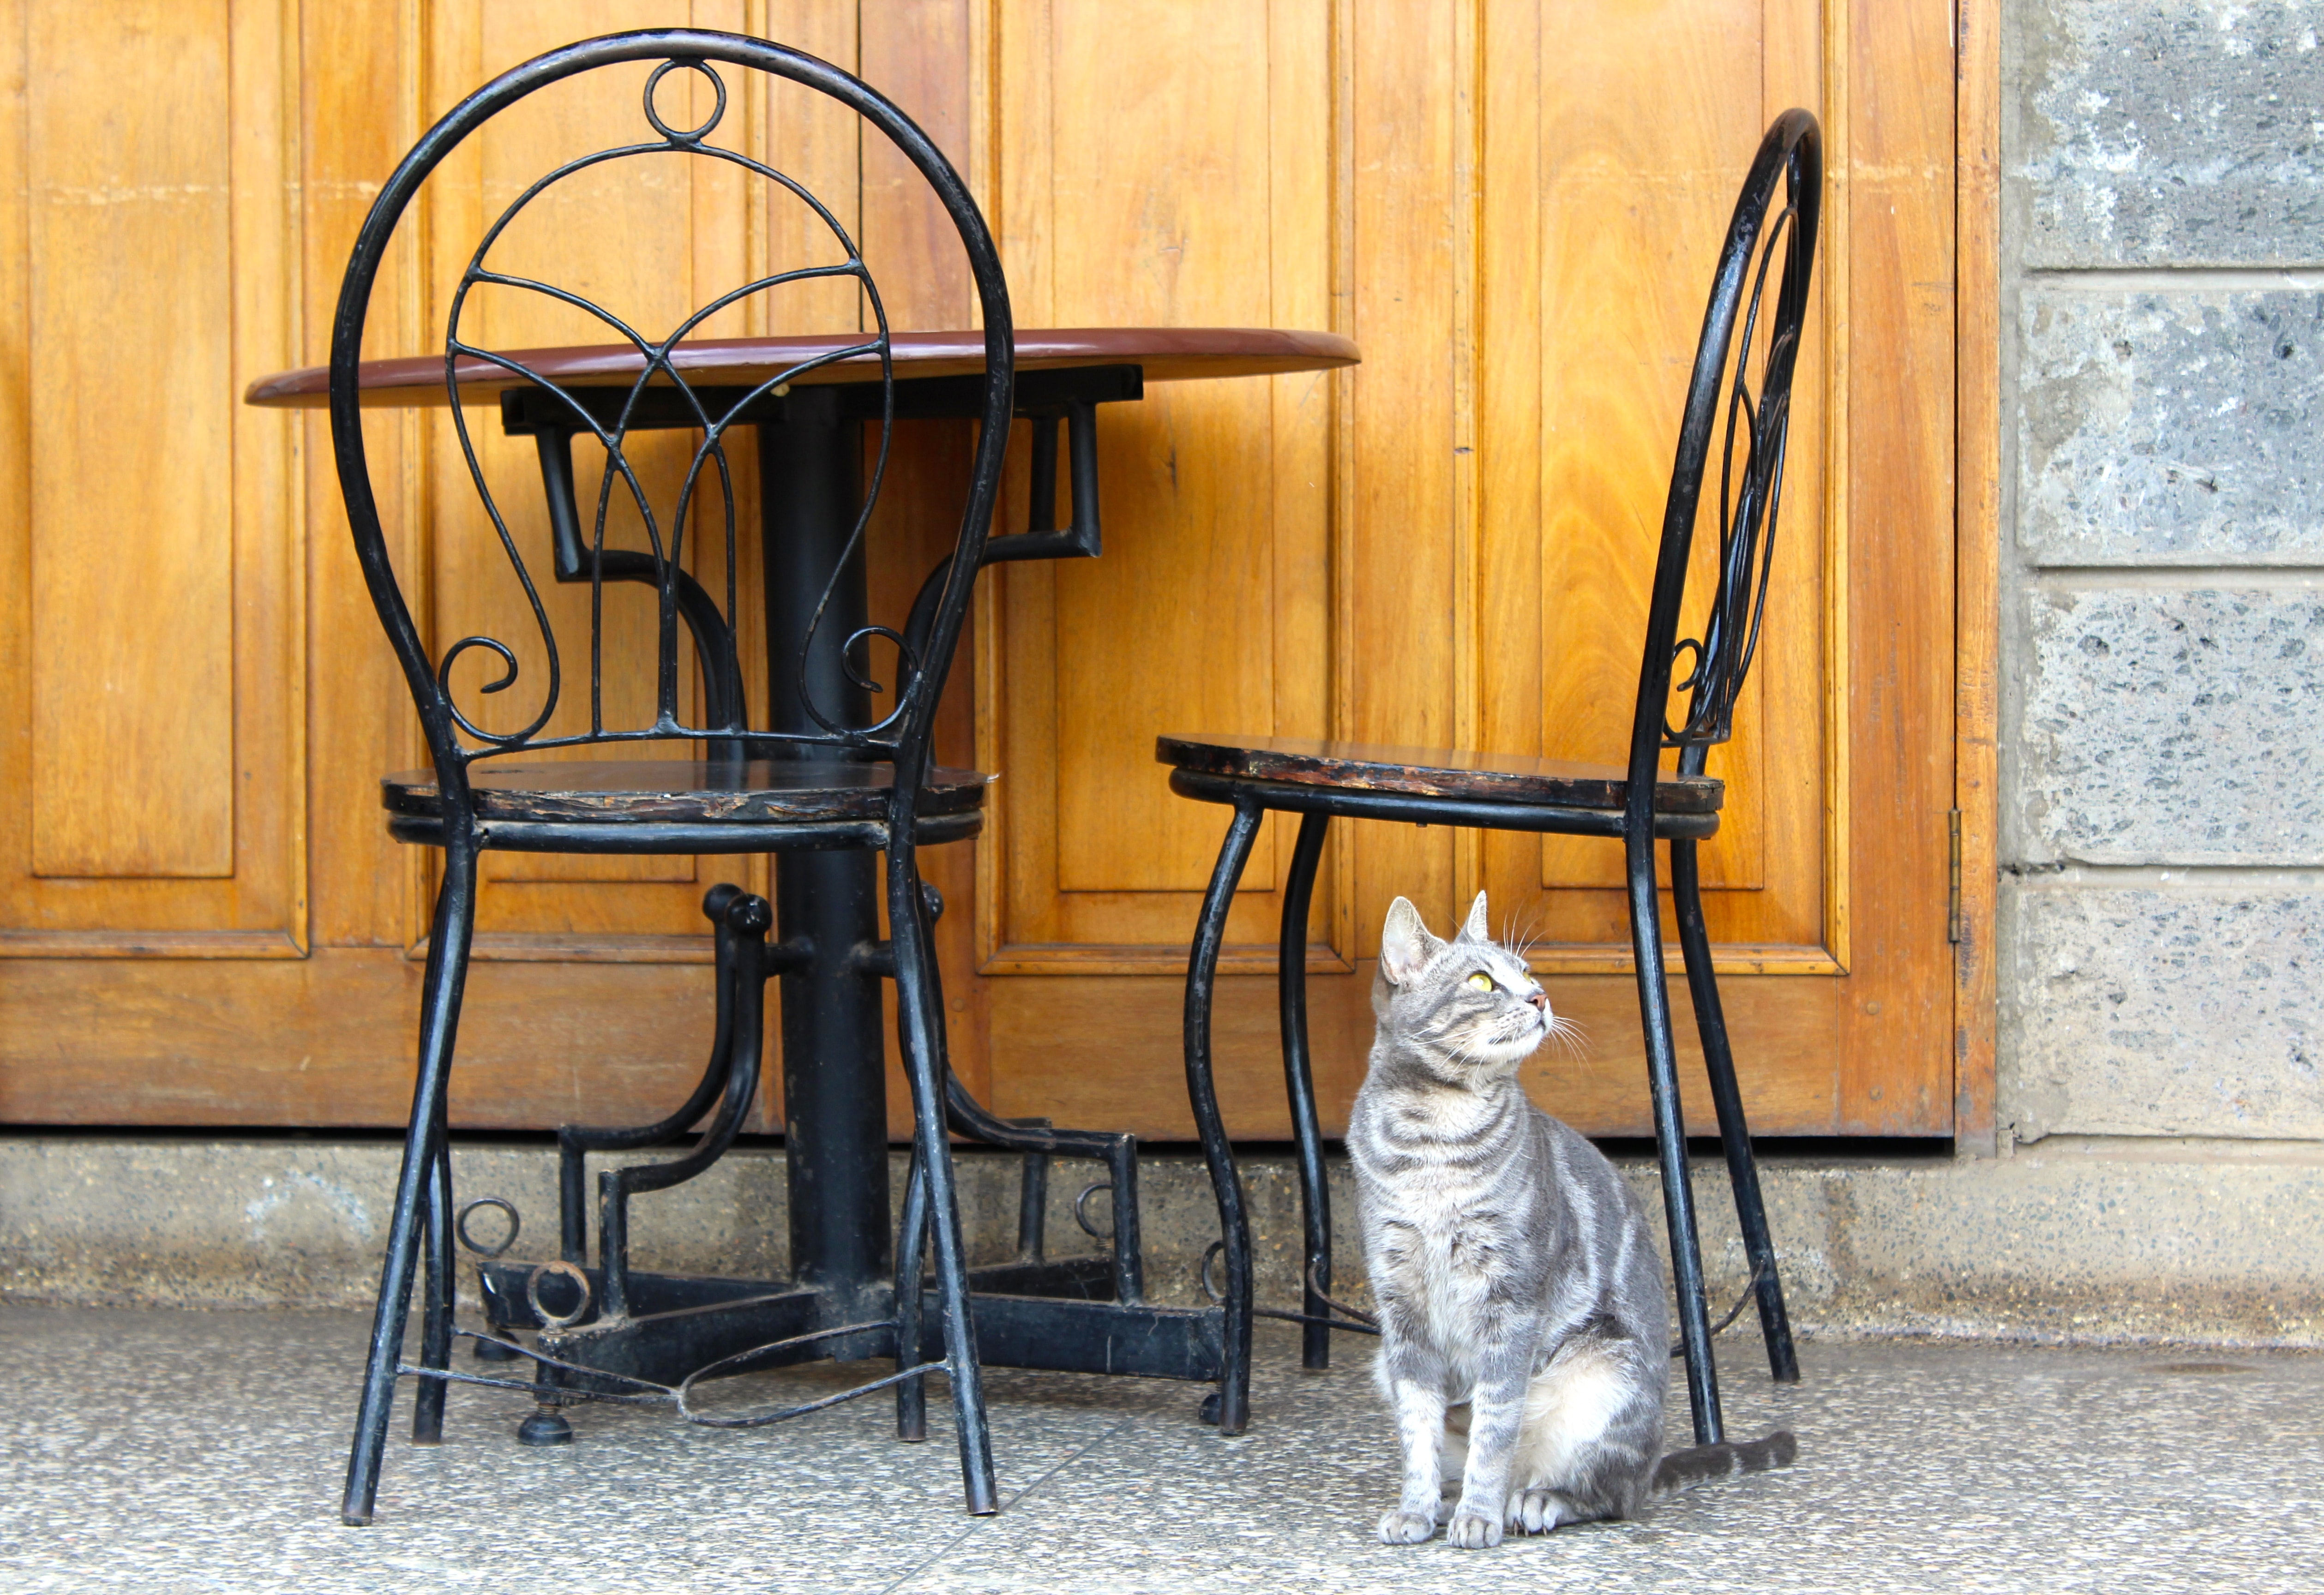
x: 1432, y: 772
x: 684, y: 791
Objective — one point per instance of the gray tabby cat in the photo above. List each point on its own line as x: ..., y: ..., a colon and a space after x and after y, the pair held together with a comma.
x: 1513, y: 1268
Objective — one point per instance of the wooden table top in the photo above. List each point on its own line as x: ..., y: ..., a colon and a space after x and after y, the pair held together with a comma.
x: 1165, y: 353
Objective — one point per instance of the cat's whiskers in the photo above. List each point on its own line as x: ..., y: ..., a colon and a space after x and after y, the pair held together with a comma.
x: 1568, y: 1035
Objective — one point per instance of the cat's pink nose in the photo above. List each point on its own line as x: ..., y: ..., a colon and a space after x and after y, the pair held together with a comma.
x: 1540, y: 1000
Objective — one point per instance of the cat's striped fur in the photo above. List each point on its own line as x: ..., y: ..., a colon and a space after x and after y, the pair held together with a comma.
x: 1515, y: 1273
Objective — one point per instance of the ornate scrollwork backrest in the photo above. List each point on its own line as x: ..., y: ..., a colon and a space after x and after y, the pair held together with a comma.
x: 455, y: 736
x: 1768, y: 224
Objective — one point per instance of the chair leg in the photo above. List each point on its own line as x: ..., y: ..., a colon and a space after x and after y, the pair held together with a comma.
x: 1299, y: 1082
x: 1226, y: 1182
x: 1734, y: 1132
x: 440, y: 1017
x: 1670, y: 1139
x: 925, y: 1064
x: 911, y: 1256
x: 438, y: 1290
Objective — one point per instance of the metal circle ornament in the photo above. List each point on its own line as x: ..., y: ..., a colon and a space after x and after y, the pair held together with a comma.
x: 460, y: 1226
x: 691, y: 135
x: 549, y: 1320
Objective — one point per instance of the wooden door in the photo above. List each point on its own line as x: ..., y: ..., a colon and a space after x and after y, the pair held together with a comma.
x: 1511, y: 205
x: 1513, y: 208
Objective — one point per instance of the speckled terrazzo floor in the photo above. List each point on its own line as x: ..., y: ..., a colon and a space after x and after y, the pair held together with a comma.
x: 201, y: 1451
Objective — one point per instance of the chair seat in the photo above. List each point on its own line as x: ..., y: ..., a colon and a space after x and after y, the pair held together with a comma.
x: 672, y: 790
x: 1431, y: 772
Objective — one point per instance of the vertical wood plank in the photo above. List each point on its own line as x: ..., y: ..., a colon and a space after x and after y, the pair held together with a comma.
x: 817, y: 142
x: 270, y: 680
x: 917, y: 52
x: 1399, y: 551
x: 17, y: 729
x: 360, y: 109
x: 1634, y: 211
x: 1177, y: 245
x: 1126, y: 197
x: 150, y: 514
x: 1306, y: 410
x: 130, y: 444
x: 1976, y: 448
x: 1896, y: 1024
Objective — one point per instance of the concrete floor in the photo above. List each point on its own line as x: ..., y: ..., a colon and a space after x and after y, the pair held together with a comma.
x: 198, y: 1452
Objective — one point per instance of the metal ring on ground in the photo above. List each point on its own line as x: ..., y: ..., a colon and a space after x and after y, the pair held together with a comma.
x: 460, y: 1226
x: 1081, y: 1211
x: 532, y: 1294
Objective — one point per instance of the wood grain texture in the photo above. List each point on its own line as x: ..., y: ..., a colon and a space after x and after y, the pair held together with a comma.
x: 1165, y: 353
x: 1384, y: 540
x: 541, y: 1044
x: 1977, y: 576
x: 133, y: 644
x: 361, y: 84
x: 1576, y: 393
x: 1431, y: 772
x: 151, y: 591
x: 1399, y: 553
x: 1895, y: 1025
x: 1524, y: 264
x: 1632, y: 209
x: 1217, y: 493
x: 677, y: 790
x: 1043, y: 1028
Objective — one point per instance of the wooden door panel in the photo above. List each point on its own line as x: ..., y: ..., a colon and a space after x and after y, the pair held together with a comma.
x: 1524, y: 257
x: 132, y: 772
x: 1056, y: 1051
x: 647, y: 247
x: 150, y: 798
x: 1209, y: 608
x: 1620, y: 218
x: 1620, y: 225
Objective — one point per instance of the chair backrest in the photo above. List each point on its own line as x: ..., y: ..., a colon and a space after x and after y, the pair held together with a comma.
x: 560, y: 410
x: 1774, y: 215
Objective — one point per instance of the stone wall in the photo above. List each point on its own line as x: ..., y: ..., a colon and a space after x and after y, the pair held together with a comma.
x: 2163, y: 587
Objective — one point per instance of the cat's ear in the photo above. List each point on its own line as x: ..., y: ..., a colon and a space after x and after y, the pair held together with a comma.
x: 1405, y: 944
x: 1478, y: 928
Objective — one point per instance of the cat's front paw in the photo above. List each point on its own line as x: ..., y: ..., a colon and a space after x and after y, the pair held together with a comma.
x: 1405, y: 1528
x: 1472, y: 1530
x: 1534, y: 1511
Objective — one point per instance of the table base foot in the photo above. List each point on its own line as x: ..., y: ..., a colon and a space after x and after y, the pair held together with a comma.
x: 1053, y: 1315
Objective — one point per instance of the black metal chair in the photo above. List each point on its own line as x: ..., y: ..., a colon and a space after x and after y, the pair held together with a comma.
x: 822, y: 780
x: 1635, y: 803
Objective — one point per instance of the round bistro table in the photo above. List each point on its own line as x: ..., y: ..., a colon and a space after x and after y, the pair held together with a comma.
x: 834, y: 1077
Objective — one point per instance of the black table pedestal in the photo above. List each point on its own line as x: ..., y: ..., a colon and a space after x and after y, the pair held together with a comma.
x: 834, y: 1070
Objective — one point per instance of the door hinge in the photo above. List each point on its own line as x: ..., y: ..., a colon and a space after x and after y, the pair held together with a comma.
x: 1953, y: 878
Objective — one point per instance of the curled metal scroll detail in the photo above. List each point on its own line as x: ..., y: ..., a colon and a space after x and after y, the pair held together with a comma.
x: 1750, y: 495
x: 605, y: 415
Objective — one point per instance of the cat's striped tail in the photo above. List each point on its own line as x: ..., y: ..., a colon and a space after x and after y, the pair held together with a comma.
x: 1700, y: 1464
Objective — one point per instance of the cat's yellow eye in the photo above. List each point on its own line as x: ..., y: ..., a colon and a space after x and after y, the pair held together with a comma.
x: 1480, y: 982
